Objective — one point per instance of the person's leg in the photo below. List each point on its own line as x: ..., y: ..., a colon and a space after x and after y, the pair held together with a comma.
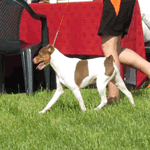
x: 129, y: 57
x: 111, y: 45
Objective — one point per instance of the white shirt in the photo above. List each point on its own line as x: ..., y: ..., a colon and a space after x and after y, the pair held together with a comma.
x: 145, y: 13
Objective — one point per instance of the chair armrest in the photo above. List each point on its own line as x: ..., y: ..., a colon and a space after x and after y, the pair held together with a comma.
x: 30, y: 10
x: 37, y: 16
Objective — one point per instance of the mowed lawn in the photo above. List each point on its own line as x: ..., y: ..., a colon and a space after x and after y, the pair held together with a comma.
x: 116, y: 127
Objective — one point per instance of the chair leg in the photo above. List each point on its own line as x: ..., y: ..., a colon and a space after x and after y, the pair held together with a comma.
x: 28, y: 72
x: 24, y: 69
x: 47, y: 77
x: 2, y: 73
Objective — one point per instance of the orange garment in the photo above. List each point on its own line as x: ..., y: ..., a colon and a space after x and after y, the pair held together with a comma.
x: 116, y: 4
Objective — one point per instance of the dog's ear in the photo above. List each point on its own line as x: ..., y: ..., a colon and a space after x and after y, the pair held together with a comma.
x: 48, y: 45
x: 50, y: 48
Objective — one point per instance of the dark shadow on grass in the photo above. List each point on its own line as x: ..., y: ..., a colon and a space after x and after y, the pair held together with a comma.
x: 67, y: 106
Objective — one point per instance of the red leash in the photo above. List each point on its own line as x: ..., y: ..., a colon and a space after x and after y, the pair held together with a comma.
x: 60, y: 24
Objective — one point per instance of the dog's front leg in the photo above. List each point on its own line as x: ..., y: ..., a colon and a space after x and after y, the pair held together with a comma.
x: 58, y: 93
x: 78, y: 95
x: 52, y: 101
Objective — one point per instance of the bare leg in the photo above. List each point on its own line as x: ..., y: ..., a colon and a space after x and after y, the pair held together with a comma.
x: 111, y: 46
x: 129, y: 57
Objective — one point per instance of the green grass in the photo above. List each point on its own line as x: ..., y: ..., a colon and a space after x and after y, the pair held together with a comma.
x: 116, y: 127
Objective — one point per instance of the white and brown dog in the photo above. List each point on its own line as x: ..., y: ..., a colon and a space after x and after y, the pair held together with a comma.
x: 75, y: 73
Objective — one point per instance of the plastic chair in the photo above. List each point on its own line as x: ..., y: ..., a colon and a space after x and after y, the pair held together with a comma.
x: 10, y: 44
x: 147, y: 47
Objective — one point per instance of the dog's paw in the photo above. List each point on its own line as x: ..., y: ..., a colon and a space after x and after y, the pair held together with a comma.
x: 84, y: 109
x: 42, y: 112
x: 97, y: 108
x: 102, y: 105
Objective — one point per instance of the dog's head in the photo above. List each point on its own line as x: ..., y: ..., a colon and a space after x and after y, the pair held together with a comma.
x: 43, y: 57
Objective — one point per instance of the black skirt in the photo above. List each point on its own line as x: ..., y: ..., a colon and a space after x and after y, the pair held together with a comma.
x: 115, y: 25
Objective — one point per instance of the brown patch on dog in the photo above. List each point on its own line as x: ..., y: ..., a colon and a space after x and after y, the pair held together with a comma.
x: 63, y: 86
x: 44, y: 54
x: 81, y: 71
x: 108, y: 63
x: 48, y: 49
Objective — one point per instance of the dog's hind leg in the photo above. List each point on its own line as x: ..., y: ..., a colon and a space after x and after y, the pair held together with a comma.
x: 101, y: 87
x: 121, y: 85
x: 78, y: 96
